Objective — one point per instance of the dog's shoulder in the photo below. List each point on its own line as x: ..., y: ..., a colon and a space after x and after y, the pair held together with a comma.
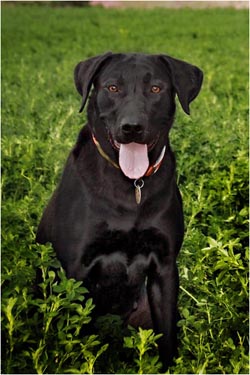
x: 84, y: 137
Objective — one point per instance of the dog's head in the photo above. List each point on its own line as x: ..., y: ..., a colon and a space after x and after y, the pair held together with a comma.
x: 133, y: 101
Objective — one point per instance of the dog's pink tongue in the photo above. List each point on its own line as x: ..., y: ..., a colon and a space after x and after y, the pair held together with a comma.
x: 133, y: 159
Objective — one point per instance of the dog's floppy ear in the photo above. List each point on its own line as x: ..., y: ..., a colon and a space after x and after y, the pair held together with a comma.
x: 84, y: 74
x: 186, y: 79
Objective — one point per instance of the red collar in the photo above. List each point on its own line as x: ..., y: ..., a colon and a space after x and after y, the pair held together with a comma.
x: 151, y: 169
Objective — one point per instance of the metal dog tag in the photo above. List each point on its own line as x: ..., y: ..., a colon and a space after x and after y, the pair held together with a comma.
x: 138, y: 194
x: 138, y: 186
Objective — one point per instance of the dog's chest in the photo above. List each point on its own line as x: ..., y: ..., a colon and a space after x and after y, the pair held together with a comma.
x: 131, y: 244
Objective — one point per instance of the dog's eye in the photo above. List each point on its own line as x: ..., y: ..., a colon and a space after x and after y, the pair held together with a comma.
x: 113, y: 88
x: 155, y: 89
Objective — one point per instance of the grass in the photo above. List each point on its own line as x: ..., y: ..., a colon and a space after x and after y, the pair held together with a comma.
x: 40, y: 122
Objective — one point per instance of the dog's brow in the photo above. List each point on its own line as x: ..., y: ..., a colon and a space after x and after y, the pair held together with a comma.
x: 120, y: 80
x: 147, y: 77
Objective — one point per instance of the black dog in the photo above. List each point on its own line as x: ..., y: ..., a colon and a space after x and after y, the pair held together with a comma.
x: 116, y: 218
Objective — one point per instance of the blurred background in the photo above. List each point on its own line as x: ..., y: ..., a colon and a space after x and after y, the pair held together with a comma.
x: 140, y: 4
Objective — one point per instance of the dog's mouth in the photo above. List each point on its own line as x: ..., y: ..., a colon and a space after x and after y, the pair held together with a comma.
x: 116, y: 145
x: 133, y: 157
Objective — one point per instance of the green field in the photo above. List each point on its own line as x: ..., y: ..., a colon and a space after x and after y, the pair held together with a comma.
x: 40, y: 123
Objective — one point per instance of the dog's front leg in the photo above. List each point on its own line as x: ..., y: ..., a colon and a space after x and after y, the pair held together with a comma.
x: 162, y: 289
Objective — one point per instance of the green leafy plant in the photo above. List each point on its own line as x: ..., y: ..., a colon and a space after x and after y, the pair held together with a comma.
x: 49, y: 330
x: 56, y: 323
x: 142, y: 342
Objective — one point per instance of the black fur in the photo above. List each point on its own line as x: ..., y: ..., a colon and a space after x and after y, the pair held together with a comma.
x: 125, y: 253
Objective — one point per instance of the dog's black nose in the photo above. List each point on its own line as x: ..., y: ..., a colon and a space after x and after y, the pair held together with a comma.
x: 129, y: 129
